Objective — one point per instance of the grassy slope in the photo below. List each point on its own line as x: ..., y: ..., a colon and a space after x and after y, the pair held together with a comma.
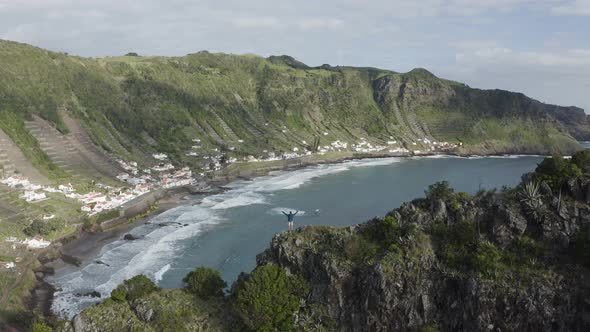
x: 173, y: 310
x: 138, y: 105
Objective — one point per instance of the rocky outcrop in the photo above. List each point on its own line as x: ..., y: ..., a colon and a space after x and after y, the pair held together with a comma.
x: 400, y: 293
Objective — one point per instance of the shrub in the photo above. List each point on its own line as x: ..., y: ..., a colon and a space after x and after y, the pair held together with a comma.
x: 487, y: 259
x: 171, y: 319
x: 439, y: 190
x: 205, y: 282
x: 428, y: 328
x: 526, y: 248
x: 556, y: 170
x: 41, y: 327
x: 359, y: 249
x: 133, y: 288
x: 269, y: 298
x: 43, y: 227
x: 581, y: 159
x: 119, y: 294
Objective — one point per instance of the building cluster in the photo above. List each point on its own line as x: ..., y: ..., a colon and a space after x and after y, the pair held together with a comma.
x: 216, y: 162
x: 36, y: 242
x: 163, y: 175
x: 30, y: 191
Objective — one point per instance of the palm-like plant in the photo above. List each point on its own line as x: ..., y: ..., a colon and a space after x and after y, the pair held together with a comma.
x: 532, y: 200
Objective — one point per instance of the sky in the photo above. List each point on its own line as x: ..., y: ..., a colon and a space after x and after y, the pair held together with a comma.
x: 538, y: 47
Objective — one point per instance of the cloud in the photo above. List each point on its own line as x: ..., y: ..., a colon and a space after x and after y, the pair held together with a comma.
x: 257, y: 22
x: 320, y: 23
x: 560, y: 77
x: 575, y: 8
x: 481, y: 42
x: 576, y: 59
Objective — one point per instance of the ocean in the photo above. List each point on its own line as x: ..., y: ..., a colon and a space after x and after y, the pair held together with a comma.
x: 226, y: 231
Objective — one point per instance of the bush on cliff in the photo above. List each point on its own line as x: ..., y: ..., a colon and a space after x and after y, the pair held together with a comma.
x: 269, y: 298
x: 439, y: 190
x: 388, y: 233
x: 581, y: 159
x: 556, y: 170
x: 133, y: 288
x: 205, y: 283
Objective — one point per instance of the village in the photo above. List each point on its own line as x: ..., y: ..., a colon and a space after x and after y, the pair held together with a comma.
x: 95, y: 202
x: 165, y: 175
x: 363, y: 146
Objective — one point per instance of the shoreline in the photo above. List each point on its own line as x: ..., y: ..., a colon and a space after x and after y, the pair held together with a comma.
x: 84, y: 244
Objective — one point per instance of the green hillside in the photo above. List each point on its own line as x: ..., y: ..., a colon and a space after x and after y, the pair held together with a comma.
x: 133, y: 106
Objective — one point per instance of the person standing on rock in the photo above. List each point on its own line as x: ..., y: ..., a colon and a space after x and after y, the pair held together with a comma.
x: 290, y: 218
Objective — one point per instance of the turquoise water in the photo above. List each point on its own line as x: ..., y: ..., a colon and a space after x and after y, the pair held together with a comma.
x: 343, y: 198
x: 227, y: 231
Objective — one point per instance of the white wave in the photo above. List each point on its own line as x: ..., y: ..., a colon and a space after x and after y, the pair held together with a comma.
x: 156, y: 247
x: 373, y: 162
x: 158, y: 275
x: 125, y: 259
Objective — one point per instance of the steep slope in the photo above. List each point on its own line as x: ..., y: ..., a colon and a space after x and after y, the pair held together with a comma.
x: 135, y: 106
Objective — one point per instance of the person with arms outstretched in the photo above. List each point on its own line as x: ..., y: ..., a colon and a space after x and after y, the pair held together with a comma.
x: 290, y: 218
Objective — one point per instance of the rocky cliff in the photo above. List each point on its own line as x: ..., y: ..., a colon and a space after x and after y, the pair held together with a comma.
x: 515, y: 259
x: 453, y: 262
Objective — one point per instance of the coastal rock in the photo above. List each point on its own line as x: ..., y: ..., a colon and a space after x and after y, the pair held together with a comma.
x: 142, y: 310
x: 416, y: 290
x: 129, y: 237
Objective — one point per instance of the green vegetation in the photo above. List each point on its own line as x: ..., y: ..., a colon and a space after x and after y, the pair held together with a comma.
x: 269, y: 298
x: 439, y: 190
x: 43, y: 227
x: 556, y: 170
x: 133, y: 288
x: 41, y: 327
x: 13, y: 125
x: 133, y: 105
x: 581, y: 159
x: 389, y: 235
x: 205, y: 283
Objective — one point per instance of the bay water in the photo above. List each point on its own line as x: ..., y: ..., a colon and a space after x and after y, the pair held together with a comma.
x: 226, y: 231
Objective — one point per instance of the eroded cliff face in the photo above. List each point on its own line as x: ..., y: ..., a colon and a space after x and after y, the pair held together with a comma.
x: 416, y: 288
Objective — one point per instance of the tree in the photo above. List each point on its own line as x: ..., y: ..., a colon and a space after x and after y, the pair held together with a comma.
x: 43, y: 228
x: 439, y: 190
x: 555, y: 171
x: 205, y: 282
x: 581, y: 159
x: 133, y: 288
x: 131, y: 54
x: 269, y: 298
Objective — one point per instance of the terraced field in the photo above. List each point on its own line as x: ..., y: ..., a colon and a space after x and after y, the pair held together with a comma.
x: 73, y: 152
x: 13, y: 161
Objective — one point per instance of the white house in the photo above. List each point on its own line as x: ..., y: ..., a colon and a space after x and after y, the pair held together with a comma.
x: 160, y: 156
x: 37, y: 242
x: 32, y: 196
x: 66, y: 188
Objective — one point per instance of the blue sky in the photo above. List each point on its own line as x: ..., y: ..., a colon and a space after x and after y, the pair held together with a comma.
x: 541, y: 48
